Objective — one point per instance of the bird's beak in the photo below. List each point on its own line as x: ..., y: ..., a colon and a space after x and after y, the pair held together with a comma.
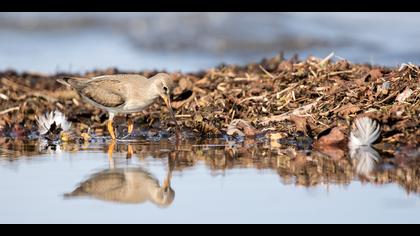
x: 167, y: 181
x: 167, y: 101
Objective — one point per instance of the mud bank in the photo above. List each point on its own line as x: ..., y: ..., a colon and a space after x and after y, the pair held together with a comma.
x: 276, y: 98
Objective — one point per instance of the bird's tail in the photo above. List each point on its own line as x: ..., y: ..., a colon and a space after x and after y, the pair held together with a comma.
x: 76, y: 193
x: 75, y: 82
x: 64, y: 81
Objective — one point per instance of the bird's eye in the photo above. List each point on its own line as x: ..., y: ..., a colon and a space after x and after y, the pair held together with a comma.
x: 165, y: 89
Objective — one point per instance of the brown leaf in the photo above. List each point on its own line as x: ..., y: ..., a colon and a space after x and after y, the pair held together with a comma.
x: 274, y: 137
x: 334, y: 137
x: 300, y: 122
x: 241, y: 128
x: 334, y: 152
x: 375, y: 74
x: 331, y: 144
x: 404, y: 95
x: 348, y: 109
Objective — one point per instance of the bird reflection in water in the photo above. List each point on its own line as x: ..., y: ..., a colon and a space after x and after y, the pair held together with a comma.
x: 130, y: 185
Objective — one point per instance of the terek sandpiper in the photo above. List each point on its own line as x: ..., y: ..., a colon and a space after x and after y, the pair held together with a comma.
x: 123, y: 93
x: 126, y: 185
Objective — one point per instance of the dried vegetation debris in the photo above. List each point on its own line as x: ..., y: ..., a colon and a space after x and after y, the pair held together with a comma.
x: 275, y: 95
x: 296, y: 105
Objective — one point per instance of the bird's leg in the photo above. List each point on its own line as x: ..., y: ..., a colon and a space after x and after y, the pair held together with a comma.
x: 130, y: 125
x: 111, y: 127
x: 129, y: 151
x: 110, y: 152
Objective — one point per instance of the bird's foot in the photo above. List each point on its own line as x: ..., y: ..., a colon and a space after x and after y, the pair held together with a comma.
x: 130, y: 125
x: 111, y: 130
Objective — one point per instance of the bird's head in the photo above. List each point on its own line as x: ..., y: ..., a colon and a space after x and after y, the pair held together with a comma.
x: 165, y: 196
x: 164, y: 86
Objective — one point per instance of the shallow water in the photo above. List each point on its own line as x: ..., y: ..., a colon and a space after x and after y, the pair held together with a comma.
x: 212, y: 181
x: 209, y: 185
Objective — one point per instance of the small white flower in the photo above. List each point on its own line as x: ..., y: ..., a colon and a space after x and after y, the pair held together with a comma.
x: 48, y: 119
x: 365, y: 132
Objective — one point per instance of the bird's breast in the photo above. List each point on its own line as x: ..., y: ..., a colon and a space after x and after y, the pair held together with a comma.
x: 137, y: 105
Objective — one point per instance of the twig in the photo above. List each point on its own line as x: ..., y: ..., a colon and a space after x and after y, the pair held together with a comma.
x: 183, y: 116
x: 287, y: 89
x: 240, y: 79
x: 256, y: 98
x: 266, y: 72
x: 301, y: 111
x: 9, y: 110
x: 278, y: 118
x: 387, y: 98
x: 337, y: 73
x: 3, y: 96
x: 326, y: 59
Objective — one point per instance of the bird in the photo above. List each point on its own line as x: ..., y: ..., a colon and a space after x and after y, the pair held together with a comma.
x: 123, y: 94
x: 130, y: 185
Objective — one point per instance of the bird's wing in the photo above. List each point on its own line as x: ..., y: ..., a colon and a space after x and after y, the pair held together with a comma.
x: 106, y: 92
x: 101, y: 183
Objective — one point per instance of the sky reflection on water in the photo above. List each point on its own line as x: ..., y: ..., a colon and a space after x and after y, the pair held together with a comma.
x: 208, y: 186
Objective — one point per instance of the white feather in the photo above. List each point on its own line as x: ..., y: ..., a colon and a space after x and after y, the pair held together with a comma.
x: 366, y: 159
x: 45, y: 122
x: 365, y: 132
x: 46, y: 147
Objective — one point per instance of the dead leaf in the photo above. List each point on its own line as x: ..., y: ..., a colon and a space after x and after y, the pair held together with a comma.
x: 334, y: 137
x: 375, y: 74
x: 331, y: 144
x: 274, y: 137
x: 303, y: 110
x: 334, y: 152
x: 300, y: 122
x: 348, y: 109
x: 404, y: 95
x: 241, y: 128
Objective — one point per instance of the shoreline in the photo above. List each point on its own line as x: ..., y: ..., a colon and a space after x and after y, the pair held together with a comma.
x: 277, y: 95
